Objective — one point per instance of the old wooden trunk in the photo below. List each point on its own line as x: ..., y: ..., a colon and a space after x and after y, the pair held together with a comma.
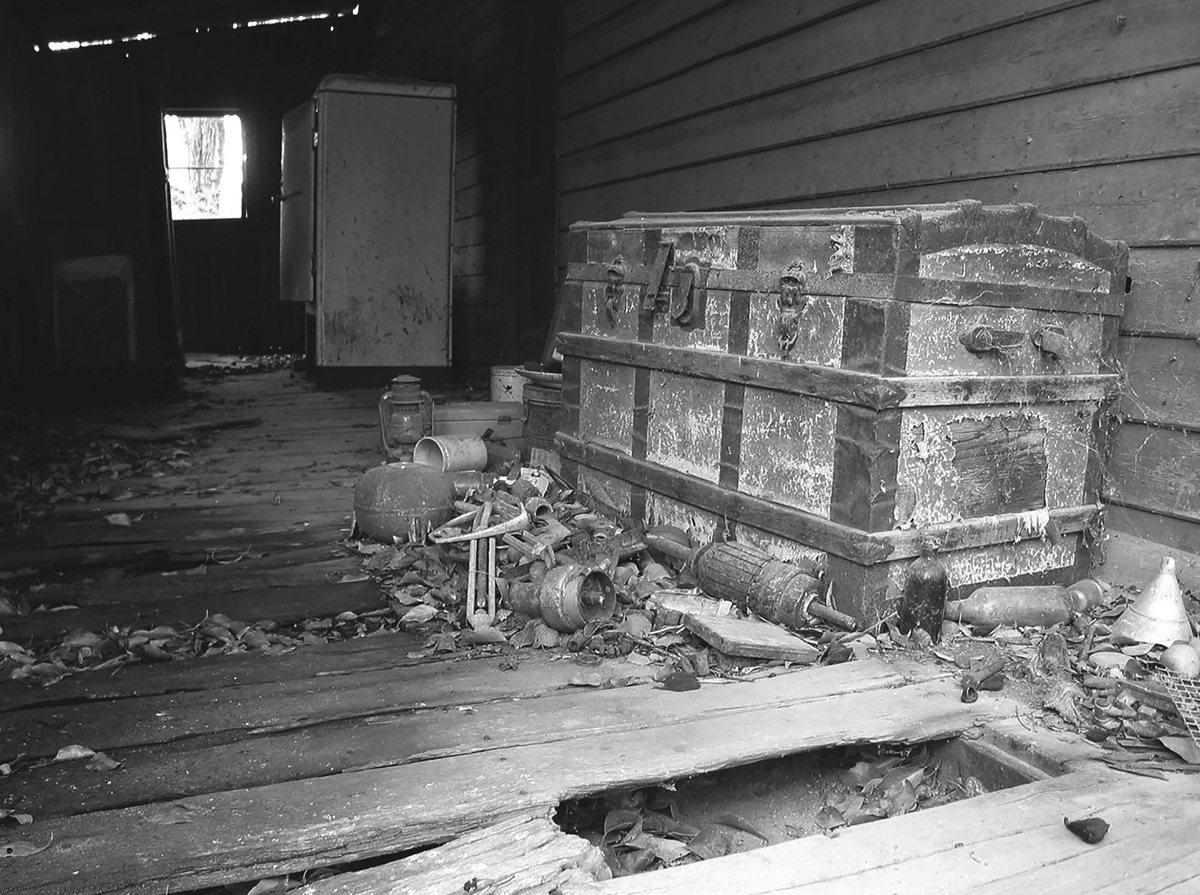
x: 834, y: 385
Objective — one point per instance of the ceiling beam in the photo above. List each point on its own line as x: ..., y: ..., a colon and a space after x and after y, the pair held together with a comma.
x: 48, y: 20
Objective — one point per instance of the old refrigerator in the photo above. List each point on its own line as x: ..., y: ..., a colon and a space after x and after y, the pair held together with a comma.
x: 838, y: 386
x: 366, y: 207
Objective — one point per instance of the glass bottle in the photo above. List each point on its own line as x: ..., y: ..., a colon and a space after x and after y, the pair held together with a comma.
x: 924, y: 598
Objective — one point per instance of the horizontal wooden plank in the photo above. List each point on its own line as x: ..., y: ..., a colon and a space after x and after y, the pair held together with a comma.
x: 292, y: 703
x: 284, y: 605
x: 155, y: 555
x: 904, y: 288
x: 806, y: 528
x: 317, y: 568
x: 640, y: 24
x: 1145, y: 202
x: 266, y: 831
x: 1157, y: 470
x: 969, y: 533
x: 463, y: 28
x: 933, y: 391
x: 512, y: 710
x: 1132, y: 561
x: 320, y: 493
x: 216, y: 672
x: 1012, y: 840
x: 1174, y: 534
x: 845, y: 386
x: 477, y: 260
x: 477, y: 229
x: 529, y: 856
x: 758, y: 47
x: 795, y: 378
x: 1162, y: 380
x: 1049, y: 132
x: 580, y: 16
x: 771, y: 517
x: 1020, y: 59
x: 1165, y: 292
x: 472, y: 201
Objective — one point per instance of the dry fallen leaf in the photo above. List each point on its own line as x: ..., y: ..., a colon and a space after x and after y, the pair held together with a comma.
x: 418, y: 614
x: 273, y: 886
x: 22, y: 848
x: 73, y: 753
x: 119, y: 519
x: 101, y: 762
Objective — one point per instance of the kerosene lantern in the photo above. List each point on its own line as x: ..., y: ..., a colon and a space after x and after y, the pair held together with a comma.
x: 405, y: 417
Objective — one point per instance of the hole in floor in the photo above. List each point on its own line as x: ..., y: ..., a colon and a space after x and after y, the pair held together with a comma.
x: 763, y: 803
x: 768, y: 802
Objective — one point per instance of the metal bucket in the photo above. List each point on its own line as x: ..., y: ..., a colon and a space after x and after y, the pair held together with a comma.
x: 507, y: 384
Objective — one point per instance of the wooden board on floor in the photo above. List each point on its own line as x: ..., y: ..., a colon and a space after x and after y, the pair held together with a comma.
x: 458, y: 721
x: 751, y: 638
x: 521, y: 856
x: 249, y: 573
x: 180, y: 552
x: 268, y: 830
x: 262, y: 708
x: 215, y: 672
x: 284, y: 605
x: 1002, y: 842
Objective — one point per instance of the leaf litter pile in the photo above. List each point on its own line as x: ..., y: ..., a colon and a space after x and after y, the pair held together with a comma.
x: 47, y: 463
x: 739, y: 809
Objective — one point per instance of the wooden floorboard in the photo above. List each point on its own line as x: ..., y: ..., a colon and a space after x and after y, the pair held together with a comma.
x: 215, y: 672
x: 1003, y: 842
x: 250, y: 833
x: 239, y: 767
x: 368, y: 733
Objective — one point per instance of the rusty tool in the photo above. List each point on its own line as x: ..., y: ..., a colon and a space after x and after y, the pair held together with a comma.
x: 989, y: 677
x: 752, y: 579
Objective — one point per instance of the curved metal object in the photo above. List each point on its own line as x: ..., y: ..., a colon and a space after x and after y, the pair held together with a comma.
x: 683, y: 297
x: 791, y: 304
x: 981, y: 339
x: 614, y: 292
x: 1054, y: 341
x: 1158, y: 615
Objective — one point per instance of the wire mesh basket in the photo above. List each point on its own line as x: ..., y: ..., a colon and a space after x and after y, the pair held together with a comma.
x: 1185, y: 693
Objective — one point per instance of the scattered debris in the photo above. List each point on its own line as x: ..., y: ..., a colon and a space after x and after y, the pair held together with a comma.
x: 1090, y: 829
x: 752, y: 638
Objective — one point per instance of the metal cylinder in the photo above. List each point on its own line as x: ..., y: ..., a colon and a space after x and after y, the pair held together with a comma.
x: 451, y: 453
x: 571, y: 596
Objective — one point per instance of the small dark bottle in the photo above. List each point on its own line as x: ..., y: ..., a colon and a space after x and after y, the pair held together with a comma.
x: 924, y: 598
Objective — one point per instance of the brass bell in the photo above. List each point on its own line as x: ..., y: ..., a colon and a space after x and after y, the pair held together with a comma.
x: 1158, y: 615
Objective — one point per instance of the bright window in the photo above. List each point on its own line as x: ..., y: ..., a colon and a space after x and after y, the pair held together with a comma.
x: 205, y: 166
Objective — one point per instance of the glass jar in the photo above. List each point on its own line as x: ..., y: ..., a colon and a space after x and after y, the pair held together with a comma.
x: 405, y: 417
